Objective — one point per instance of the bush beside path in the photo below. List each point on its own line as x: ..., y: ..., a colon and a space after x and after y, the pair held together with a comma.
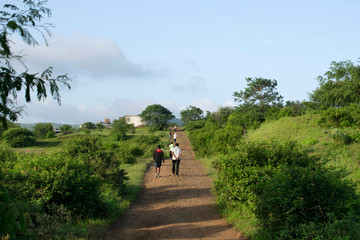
x: 174, y: 207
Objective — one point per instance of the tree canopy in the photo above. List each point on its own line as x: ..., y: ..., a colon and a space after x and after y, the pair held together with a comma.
x: 156, y: 116
x: 339, y: 87
x: 21, y: 20
x: 191, y: 113
x: 260, y: 92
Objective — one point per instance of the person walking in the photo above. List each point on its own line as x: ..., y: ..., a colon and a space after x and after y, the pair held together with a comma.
x: 175, y: 128
x: 170, y: 136
x: 175, y: 136
x: 176, y: 154
x: 171, y: 146
x: 158, y: 157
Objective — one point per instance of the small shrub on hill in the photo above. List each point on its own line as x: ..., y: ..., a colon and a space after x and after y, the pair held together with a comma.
x: 340, y: 136
x: 241, y: 169
x: 18, y: 137
x: 306, y: 203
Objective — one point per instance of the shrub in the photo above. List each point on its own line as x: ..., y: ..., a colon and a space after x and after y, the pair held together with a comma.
x: 295, y: 201
x: 148, y: 139
x: 48, y: 179
x: 50, y: 134
x: 124, y: 154
x: 340, y: 137
x: 99, y: 157
x: 241, y: 169
x: 192, y: 125
x: 18, y: 137
x: 12, y: 219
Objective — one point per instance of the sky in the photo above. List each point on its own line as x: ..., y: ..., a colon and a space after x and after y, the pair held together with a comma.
x: 126, y: 55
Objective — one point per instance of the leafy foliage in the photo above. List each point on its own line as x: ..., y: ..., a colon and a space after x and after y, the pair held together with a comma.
x: 339, y: 87
x: 120, y: 127
x: 18, y: 137
x: 91, y: 150
x: 294, y: 200
x: 191, y: 113
x: 41, y: 130
x: 89, y: 125
x: 156, y: 116
x: 12, y: 220
x: 66, y: 129
x: 59, y: 179
x: 22, y: 21
x: 260, y: 92
x: 290, y: 193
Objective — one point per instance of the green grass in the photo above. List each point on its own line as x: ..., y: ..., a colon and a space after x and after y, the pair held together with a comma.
x: 316, y: 139
x: 95, y: 228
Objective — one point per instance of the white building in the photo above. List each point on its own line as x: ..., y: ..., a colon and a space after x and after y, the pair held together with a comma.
x: 134, y: 119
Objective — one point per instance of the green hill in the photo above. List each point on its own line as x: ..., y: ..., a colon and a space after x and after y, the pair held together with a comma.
x: 317, y: 139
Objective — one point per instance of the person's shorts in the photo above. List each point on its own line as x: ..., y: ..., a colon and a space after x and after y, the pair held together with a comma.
x: 157, y: 164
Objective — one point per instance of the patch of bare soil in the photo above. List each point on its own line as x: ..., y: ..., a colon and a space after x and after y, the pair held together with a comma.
x: 173, y: 207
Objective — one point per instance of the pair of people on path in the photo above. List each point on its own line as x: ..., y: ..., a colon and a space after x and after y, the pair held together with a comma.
x: 175, y: 154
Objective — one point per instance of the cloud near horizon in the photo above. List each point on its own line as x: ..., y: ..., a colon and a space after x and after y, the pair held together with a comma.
x: 95, y: 57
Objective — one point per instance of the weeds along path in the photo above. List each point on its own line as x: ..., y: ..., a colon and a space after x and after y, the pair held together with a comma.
x: 174, y: 207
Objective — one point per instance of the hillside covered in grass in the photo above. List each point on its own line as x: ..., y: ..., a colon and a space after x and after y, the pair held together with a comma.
x: 317, y: 139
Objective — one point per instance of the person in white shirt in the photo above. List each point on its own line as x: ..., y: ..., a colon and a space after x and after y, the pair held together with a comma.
x: 175, y: 136
x: 176, y: 154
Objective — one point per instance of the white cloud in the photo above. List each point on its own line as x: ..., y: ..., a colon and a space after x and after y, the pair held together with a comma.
x: 81, y: 54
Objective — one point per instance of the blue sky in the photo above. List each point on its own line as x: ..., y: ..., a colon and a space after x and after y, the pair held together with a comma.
x: 127, y: 55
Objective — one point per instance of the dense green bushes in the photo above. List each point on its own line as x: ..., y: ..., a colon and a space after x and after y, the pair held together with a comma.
x: 47, y: 179
x: 291, y: 194
x: 18, y: 137
x: 348, y: 116
x: 306, y: 203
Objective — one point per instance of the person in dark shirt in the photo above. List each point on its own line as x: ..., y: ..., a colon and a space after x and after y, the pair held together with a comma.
x: 158, y: 157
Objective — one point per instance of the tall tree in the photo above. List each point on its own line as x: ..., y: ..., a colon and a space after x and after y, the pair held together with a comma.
x: 256, y: 100
x: 156, y: 116
x: 21, y: 19
x: 338, y: 87
x: 260, y: 92
x: 191, y: 113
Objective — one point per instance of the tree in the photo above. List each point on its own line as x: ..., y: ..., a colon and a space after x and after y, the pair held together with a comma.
x: 41, y: 130
x: 66, y: 129
x: 260, y: 92
x: 120, y: 128
x: 156, y: 116
x: 22, y: 21
x: 339, y: 87
x: 191, y: 113
x: 259, y: 96
x: 89, y: 125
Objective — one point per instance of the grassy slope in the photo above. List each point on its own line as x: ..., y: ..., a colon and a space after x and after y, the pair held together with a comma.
x: 316, y: 139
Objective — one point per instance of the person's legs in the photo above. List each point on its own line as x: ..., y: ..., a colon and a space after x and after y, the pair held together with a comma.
x: 177, y: 167
x: 173, y: 166
x: 157, y: 169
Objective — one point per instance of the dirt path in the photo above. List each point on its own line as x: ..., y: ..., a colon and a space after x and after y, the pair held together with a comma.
x: 174, y: 207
